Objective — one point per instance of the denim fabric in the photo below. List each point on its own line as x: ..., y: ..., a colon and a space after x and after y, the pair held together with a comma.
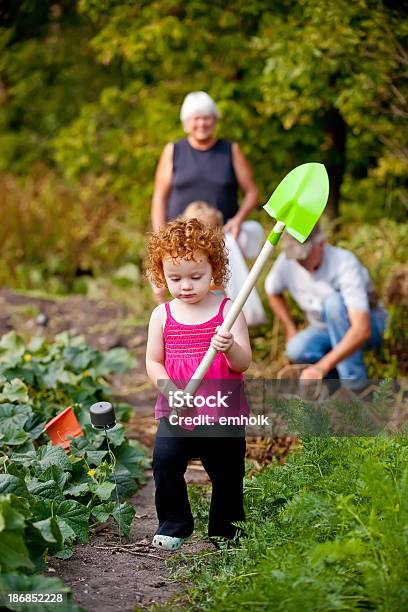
x: 312, y: 343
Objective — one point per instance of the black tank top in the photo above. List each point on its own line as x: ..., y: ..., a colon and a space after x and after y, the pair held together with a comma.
x: 203, y: 175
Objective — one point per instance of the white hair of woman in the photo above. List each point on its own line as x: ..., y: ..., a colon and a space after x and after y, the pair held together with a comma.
x: 198, y: 102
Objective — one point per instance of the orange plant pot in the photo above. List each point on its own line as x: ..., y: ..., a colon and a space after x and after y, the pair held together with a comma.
x: 63, y: 425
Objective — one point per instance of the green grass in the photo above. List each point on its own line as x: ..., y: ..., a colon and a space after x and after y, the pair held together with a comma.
x: 326, y: 531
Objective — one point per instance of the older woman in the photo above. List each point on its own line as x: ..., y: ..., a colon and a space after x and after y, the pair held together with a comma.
x: 202, y: 167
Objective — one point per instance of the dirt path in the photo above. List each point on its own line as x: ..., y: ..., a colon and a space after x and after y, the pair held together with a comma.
x: 105, y: 576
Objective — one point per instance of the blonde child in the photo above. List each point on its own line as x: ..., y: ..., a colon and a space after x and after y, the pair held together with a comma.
x: 208, y: 215
x: 248, y: 242
x: 205, y: 213
x: 187, y: 257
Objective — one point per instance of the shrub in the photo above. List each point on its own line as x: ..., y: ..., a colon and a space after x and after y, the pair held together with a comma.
x: 49, y: 229
x: 325, y: 531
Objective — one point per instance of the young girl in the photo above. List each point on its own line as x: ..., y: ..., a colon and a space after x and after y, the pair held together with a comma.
x: 187, y: 257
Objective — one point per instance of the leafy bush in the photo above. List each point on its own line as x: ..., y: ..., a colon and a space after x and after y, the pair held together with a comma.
x: 50, y: 230
x: 19, y: 535
x: 97, y: 87
x: 52, y: 499
x: 382, y: 247
x: 48, y: 375
x: 47, y: 73
x: 325, y: 531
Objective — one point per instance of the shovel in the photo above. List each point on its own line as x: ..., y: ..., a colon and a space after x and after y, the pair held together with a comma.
x: 297, y: 204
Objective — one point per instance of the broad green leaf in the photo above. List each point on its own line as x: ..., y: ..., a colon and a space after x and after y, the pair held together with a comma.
x: 65, y: 339
x: 14, y: 391
x: 14, y: 437
x: 95, y: 457
x: 66, y: 553
x: 79, y: 358
x: 10, y: 517
x: 127, y: 485
x: 54, y: 472
x: 116, y: 435
x: 11, y: 348
x: 27, y: 459
x: 42, y: 508
x: 49, y: 530
x: 78, y: 445
x: 36, y: 344
x: 117, y: 360
x: 67, y: 532
x: 75, y: 515
x: 27, y: 446
x: 123, y: 515
x: 13, y: 417
x: 104, y: 490
x: 17, y: 469
x: 13, y: 551
x: 46, y: 456
x: 24, y: 373
x: 130, y: 458
x: 12, y: 484
x: 58, y: 374
x: 103, y: 511
x: 20, y: 583
x: 76, y: 490
x: 53, y: 455
x: 35, y: 426
x: 47, y: 490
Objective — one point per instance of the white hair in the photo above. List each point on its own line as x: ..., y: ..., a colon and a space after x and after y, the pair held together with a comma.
x: 198, y: 102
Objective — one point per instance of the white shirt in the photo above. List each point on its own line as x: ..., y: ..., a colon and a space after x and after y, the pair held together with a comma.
x: 339, y: 271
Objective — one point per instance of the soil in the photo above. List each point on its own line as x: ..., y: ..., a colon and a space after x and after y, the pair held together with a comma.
x: 107, y: 575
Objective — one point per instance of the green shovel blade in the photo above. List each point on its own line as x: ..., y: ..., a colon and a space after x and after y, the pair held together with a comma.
x: 299, y: 199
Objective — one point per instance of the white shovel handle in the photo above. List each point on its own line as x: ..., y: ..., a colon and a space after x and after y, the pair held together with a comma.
x: 235, y: 309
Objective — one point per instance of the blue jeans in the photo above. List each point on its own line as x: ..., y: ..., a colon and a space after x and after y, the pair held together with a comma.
x: 312, y: 343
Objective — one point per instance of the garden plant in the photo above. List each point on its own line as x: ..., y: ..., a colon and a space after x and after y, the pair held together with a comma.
x: 51, y: 499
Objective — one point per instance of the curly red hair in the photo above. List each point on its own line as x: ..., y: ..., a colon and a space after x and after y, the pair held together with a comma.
x: 181, y: 239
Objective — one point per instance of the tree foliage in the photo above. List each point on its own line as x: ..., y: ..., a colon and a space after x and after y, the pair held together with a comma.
x: 96, y: 89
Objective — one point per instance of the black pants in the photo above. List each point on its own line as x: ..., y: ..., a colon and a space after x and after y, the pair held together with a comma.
x: 223, y: 460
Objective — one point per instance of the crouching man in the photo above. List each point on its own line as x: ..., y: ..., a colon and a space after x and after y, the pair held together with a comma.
x: 334, y: 291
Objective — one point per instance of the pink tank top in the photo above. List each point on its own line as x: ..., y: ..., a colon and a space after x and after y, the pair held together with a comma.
x: 184, y: 348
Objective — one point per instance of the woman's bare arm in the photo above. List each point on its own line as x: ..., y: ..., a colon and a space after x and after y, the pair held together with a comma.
x: 247, y: 185
x: 162, y: 184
